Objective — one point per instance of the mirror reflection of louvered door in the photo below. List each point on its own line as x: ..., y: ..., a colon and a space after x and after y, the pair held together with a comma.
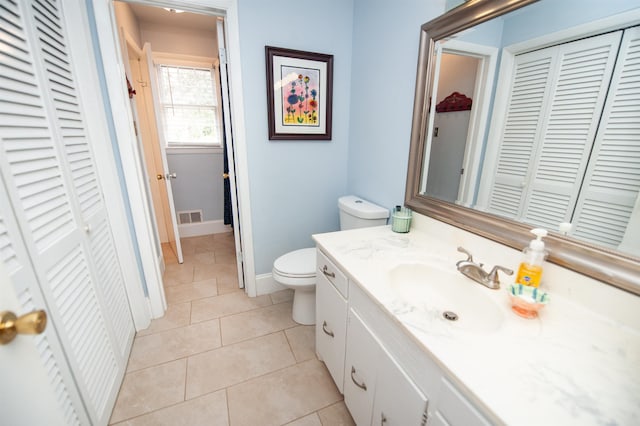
x: 54, y: 197
x: 612, y: 182
x: 557, y: 96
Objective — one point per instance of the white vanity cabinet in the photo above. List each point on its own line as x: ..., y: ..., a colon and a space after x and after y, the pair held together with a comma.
x: 331, y: 317
x: 385, y: 377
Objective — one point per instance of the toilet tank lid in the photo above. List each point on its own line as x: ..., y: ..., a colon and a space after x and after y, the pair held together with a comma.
x: 363, y: 209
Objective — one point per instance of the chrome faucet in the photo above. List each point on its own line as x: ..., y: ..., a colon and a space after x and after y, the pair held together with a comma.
x: 474, y: 271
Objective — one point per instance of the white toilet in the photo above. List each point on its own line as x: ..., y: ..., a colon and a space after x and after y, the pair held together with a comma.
x: 297, y: 269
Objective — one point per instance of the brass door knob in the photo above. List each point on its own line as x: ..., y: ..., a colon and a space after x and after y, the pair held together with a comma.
x: 31, y: 323
x: 159, y: 176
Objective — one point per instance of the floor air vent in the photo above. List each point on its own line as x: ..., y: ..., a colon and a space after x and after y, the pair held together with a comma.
x: 193, y: 216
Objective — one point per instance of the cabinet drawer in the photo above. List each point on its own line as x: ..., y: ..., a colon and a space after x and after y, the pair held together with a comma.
x: 331, y: 272
x: 331, y: 328
x: 455, y: 410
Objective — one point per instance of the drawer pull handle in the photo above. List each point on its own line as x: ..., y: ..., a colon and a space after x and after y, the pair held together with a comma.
x: 328, y: 274
x: 362, y: 385
x: 324, y: 328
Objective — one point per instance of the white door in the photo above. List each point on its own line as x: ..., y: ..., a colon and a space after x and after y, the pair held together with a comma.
x: 59, y: 248
x: 611, y: 185
x: 168, y: 206
x: 23, y: 376
x: 38, y: 386
x: 226, y: 108
x: 556, y: 98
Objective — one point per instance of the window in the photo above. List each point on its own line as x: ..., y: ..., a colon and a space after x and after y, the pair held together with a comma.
x: 189, y: 106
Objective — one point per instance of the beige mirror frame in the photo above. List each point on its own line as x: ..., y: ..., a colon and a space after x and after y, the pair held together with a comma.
x: 611, y: 267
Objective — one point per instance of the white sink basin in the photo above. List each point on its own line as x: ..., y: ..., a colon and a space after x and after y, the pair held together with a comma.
x: 428, y: 288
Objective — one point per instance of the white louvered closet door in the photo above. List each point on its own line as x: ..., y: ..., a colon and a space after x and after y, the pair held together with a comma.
x: 577, y: 96
x: 522, y: 129
x: 557, y: 96
x: 612, y: 182
x: 54, y: 195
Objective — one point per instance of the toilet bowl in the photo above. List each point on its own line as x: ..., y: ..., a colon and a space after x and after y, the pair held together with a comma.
x: 297, y: 270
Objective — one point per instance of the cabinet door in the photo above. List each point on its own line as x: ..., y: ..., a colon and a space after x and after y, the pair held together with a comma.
x: 331, y: 328
x: 453, y: 409
x: 398, y: 402
x: 360, y: 369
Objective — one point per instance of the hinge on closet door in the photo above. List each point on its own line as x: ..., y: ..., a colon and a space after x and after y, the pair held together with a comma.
x: 135, y: 128
x: 425, y: 414
x: 222, y: 56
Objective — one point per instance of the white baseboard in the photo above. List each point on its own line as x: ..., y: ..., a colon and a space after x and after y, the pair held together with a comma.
x: 265, y: 284
x: 203, y: 228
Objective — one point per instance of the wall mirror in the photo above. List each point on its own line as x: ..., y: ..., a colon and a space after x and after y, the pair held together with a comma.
x: 527, y: 114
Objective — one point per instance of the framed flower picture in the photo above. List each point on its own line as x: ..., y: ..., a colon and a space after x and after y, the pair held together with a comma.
x: 299, y: 94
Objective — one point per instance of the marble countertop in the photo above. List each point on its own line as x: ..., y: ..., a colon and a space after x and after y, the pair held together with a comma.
x: 571, y: 365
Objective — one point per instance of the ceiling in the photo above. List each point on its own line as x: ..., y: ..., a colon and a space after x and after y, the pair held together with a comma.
x: 157, y: 15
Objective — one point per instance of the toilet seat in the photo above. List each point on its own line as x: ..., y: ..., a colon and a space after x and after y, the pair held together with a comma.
x: 296, y: 268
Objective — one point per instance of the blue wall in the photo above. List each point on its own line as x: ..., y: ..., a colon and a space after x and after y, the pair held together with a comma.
x: 294, y: 186
x: 549, y: 16
x: 199, y: 184
x: 386, y: 36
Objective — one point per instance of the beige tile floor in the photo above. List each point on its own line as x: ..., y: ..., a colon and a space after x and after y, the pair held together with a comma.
x: 218, y: 357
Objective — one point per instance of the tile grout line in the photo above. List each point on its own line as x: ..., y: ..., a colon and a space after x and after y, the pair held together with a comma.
x: 295, y: 358
x: 186, y: 376
x: 223, y: 346
x: 226, y: 397
x: 253, y: 309
x: 259, y: 376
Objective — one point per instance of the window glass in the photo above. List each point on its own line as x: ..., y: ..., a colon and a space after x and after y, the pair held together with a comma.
x: 189, y: 106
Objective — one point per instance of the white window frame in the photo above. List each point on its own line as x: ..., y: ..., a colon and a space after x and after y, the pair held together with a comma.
x: 174, y: 60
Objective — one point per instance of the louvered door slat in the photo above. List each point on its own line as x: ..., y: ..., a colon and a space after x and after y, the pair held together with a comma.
x: 612, y: 180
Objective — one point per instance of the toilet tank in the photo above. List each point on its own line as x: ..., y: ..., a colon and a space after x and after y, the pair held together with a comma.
x: 358, y: 213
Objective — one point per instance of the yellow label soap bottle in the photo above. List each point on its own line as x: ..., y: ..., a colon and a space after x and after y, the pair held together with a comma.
x: 530, y: 270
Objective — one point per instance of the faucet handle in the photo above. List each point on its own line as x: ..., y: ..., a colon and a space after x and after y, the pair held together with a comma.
x: 493, y: 275
x: 469, y: 255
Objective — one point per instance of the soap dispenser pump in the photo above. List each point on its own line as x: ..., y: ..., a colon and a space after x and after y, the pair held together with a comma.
x: 530, y: 270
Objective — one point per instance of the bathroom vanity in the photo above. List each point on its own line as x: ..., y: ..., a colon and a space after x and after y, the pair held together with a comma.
x: 385, y: 304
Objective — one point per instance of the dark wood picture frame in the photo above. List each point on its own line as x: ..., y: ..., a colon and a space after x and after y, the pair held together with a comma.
x: 299, y: 94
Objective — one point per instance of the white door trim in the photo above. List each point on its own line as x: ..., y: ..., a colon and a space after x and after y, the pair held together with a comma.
x: 110, y: 52
x: 106, y: 28
x: 485, y: 75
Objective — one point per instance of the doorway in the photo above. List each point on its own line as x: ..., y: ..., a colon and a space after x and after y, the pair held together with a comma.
x: 181, y: 44
x: 463, y: 80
